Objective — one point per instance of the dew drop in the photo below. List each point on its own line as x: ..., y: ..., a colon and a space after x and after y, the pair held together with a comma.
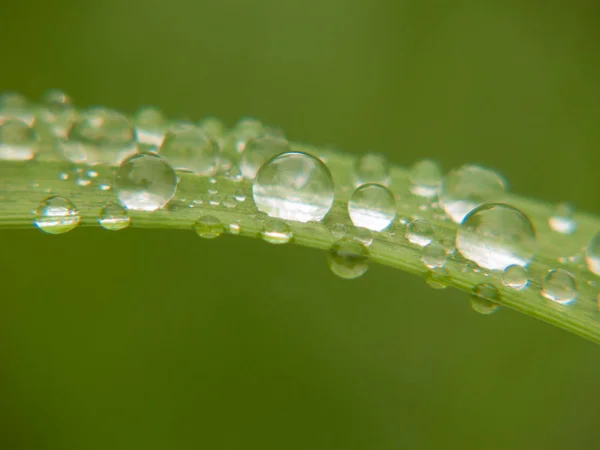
x: 150, y: 126
x: 14, y: 106
x: 371, y: 168
x: 495, y: 236
x: 437, y: 278
x: 239, y: 196
x: 208, y: 227
x: 212, y: 127
x: 484, y: 298
x: 419, y: 232
x: 592, y: 254
x: 234, y: 228
x: 63, y: 176
x: 362, y: 235
x: 276, y: 232
x: 245, y: 130
x: 18, y: 141
x: 562, y: 220
x: 467, y: 187
x: 434, y: 255
x: 56, y: 215
x: 83, y: 182
x: 348, y: 259
x: 229, y: 201
x: 294, y: 186
x: 425, y: 178
x: 559, y: 286
x: 372, y: 206
x: 190, y: 149
x: 145, y: 182
x: 515, y: 277
x: 339, y: 230
x: 258, y: 151
x: 113, y: 217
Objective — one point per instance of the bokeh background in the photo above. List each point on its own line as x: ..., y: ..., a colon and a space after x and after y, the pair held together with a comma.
x: 160, y: 340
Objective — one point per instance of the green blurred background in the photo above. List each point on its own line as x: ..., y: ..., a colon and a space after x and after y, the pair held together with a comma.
x: 160, y: 340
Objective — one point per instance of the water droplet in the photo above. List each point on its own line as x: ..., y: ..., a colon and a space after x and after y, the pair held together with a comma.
x: 191, y: 150
x: 83, y: 182
x: 372, y: 206
x: 339, y: 230
x: 56, y: 215
x: 92, y: 173
x: 14, y: 106
x: 258, y: 151
x: 63, y: 176
x: 240, y: 196
x: 515, y: 277
x: 425, y: 178
x: 104, y: 187
x: 294, y: 186
x: 208, y: 227
x: 100, y: 136
x: 234, y: 228
x: 245, y: 130
x: 371, y: 168
x: 18, y: 141
x: 484, y: 298
x: 363, y: 235
x: 592, y: 254
x: 562, y: 220
x: 229, y: 201
x: 348, y: 259
x: 150, y: 126
x: 467, y: 187
x: 437, y: 278
x: 433, y: 255
x: 145, y: 182
x: 495, y: 236
x: 419, y: 232
x: 113, y: 217
x: 559, y: 286
x: 276, y: 232
x: 212, y: 127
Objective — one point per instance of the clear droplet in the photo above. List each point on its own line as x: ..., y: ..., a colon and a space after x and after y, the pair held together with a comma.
x: 208, y: 227
x: 14, y: 106
x: 83, y: 182
x: 348, y: 259
x: 362, y: 235
x: 57, y: 112
x: 18, y: 141
x: 100, y: 136
x: 372, y: 206
x: 515, y: 277
x: 258, y: 151
x: 239, y: 196
x: 234, y: 228
x: 371, y: 168
x: 190, y: 149
x: 425, y: 178
x: 276, y: 232
x: 495, y: 236
x: 245, y: 130
x: 419, y: 232
x: 294, y: 186
x: 434, y: 255
x: 113, y: 217
x: 339, y: 230
x: 484, y: 298
x: 437, y: 278
x: 559, y: 286
x: 467, y: 187
x: 56, y: 215
x: 145, y: 182
x: 212, y: 127
x: 592, y: 254
x: 150, y: 126
x: 562, y: 220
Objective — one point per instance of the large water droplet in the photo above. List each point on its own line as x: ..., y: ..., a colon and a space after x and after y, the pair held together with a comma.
x: 294, y: 186
x: 371, y: 168
x: 467, y: 187
x: 208, y: 227
x: 372, y: 206
x: 258, y: 151
x: 425, y: 178
x: 484, y: 298
x: 276, y: 232
x: 14, y: 106
x: 592, y: 254
x: 495, y: 236
x: 100, y: 136
x: 348, y: 259
x: 419, y: 232
x: 190, y: 149
x: 559, y: 286
x: 434, y: 255
x: 145, y: 182
x: 515, y: 277
x: 113, y: 217
x: 150, y: 126
x: 18, y: 141
x: 56, y: 215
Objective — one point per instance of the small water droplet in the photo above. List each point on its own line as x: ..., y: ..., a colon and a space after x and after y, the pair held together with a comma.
x: 150, y: 126
x: 83, y: 182
x: 240, y: 196
x: 363, y: 235
x: 434, y: 255
x: 212, y: 127
x: 258, y: 151
x: 145, y: 182
x: 56, y: 215
x: 515, y: 277
x: 559, y: 286
x: 245, y: 130
x: 63, y: 176
x: 276, y: 232
x: 348, y: 259
x: 467, y: 187
x: 92, y: 173
x: 562, y: 220
x: 234, y: 228
x: 208, y: 227
x: 371, y: 168
x: 592, y: 254
x: 113, y: 217
x: 229, y: 201
x: 190, y: 149
x: 419, y: 232
x: 294, y: 186
x: 14, y: 106
x: 495, y: 236
x: 57, y: 112
x: 18, y: 141
x: 437, y: 278
x: 425, y: 178
x: 339, y: 230
x: 372, y: 206
x: 104, y: 187
x: 484, y: 298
